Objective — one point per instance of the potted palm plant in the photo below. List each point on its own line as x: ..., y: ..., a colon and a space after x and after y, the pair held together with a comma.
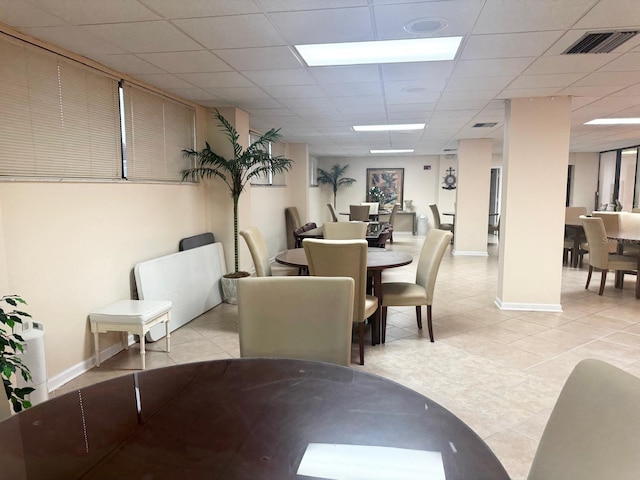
x: 10, y: 347
x: 334, y: 177
x: 253, y: 162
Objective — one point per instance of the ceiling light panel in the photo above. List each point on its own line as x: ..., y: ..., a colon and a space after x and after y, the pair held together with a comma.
x: 387, y: 51
x: 387, y: 128
x: 614, y: 121
x: 393, y: 150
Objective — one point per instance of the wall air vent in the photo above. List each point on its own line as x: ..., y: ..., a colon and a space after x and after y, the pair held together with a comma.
x: 600, y: 42
x: 485, y: 125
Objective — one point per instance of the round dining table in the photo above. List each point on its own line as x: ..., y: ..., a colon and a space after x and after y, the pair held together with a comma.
x: 378, y: 259
x: 243, y: 419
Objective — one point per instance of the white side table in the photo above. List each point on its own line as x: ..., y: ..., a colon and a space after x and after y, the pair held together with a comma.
x: 130, y: 316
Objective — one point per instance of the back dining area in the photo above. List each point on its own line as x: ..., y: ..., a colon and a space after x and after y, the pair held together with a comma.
x: 480, y: 392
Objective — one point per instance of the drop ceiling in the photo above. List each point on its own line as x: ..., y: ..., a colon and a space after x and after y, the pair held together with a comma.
x: 239, y: 53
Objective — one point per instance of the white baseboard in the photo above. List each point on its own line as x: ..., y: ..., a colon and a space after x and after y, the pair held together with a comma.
x: 78, y: 369
x: 470, y: 253
x: 529, y: 307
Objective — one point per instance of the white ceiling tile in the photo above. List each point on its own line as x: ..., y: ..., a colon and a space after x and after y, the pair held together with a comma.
x: 215, y: 79
x: 296, y: 104
x: 459, y: 16
x: 434, y: 74
x: 459, y: 105
x: 292, y: 5
x: 127, y: 63
x: 611, y: 13
x: 87, y: 12
x: 631, y: 91
x: 508, y: 45
x: 201, y: 8
x: 544, y: 81
x: 141, y: 37
x: 605, y: 78
x: 529, y: 92
x: 75, y: 39
x: 324, y: 26
x: 19, y: 13
x: 292, y: 76
x: 346, y: 74
x: 506, y: 16
x: 164, y: 80
x: 234, y: 31
x: 352, y: 89
x: 567, y: 63
x: 265, y: 58
x: 471, y: 95
x: 491, y: 67
x: 295, y: 91
x: 480, y: 83
x: 588, y: 91
x: 186, y: 62
x: 626, y: 62
x: 194, y: 94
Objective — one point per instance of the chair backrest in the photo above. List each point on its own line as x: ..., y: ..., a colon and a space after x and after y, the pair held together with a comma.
x: 345, y: 230
x: 308, y: 318
x: 340, y: 258
x: 373, y: 207
x: 394, y: 211
x: 597, y: 239
x: 359, y: 213
x: 259, y: 251
x: 433, y: 248
x: 593, y: 432
x: 436, y: 215
x: 292, y: 221
x: 332, y: 211
x: 611, y: 220
x: 572, y: 214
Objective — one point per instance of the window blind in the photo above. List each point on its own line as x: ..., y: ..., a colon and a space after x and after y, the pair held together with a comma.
x: 59, y: 118
x: 158, y: 129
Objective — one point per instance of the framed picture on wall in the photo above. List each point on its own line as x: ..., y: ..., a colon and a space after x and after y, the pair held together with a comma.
x: 389, y: 183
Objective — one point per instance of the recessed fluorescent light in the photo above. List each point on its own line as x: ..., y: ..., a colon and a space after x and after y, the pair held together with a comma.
x: 385, y: 51
x: 392, y: 150
x: 384, y: 128
x: 614, y: 121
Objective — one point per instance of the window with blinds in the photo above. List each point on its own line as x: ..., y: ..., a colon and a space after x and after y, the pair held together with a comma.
x: 157, y: 130
x: 275, y: 149
x: 59, y: 118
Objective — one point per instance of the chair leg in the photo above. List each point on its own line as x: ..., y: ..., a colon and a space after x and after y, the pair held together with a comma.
x: 419, y: 316
x: 361, y: 341
x: 586, y: 287
x: 429, y: 324
x: 603, y: 280
x: 383, y: 327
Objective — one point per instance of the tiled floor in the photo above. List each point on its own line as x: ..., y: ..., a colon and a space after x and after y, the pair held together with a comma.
x: 499, y: 371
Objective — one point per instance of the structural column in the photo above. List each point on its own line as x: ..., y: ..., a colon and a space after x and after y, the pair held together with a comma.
x: 472, y: 201
x: 536, y: 155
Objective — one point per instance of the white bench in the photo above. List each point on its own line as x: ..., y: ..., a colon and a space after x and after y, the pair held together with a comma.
x: 130, y: 316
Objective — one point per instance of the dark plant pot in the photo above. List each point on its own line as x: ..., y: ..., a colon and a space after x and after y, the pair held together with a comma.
x: 230, y: 286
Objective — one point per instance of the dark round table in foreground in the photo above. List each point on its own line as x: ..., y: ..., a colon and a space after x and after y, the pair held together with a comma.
x: 231, y: 419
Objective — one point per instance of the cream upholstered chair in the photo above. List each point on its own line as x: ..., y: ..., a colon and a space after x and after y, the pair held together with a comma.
x: 359, y: 213
x: 593, y: 432
x: 392, y: 219
x: 332, y: 211
x: 292, y: 222
x: 399, y: 294
x: 259, y: 251
x: 308, y: 318
x: 5, y: 408
x: 345, y: 230
x: 599, y: 256
x: 344, y: 258
x: 436, y: 219
x: 373, y: 207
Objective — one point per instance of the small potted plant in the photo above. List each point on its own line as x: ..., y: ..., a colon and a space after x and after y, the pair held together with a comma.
x: 10, y: 347
x: 252, y: 162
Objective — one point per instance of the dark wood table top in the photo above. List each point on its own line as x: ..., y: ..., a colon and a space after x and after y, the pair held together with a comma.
x: 374, y: 230
x: 377, y: 258
x: 231, y: 419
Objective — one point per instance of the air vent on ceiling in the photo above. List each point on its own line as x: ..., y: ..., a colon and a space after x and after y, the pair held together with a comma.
x: 600, y: 42
x: 450, y: 149
x: 485, y: 125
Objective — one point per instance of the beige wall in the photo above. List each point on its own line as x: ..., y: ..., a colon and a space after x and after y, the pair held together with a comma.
x: 585, y: 179
x: 71, y: 247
